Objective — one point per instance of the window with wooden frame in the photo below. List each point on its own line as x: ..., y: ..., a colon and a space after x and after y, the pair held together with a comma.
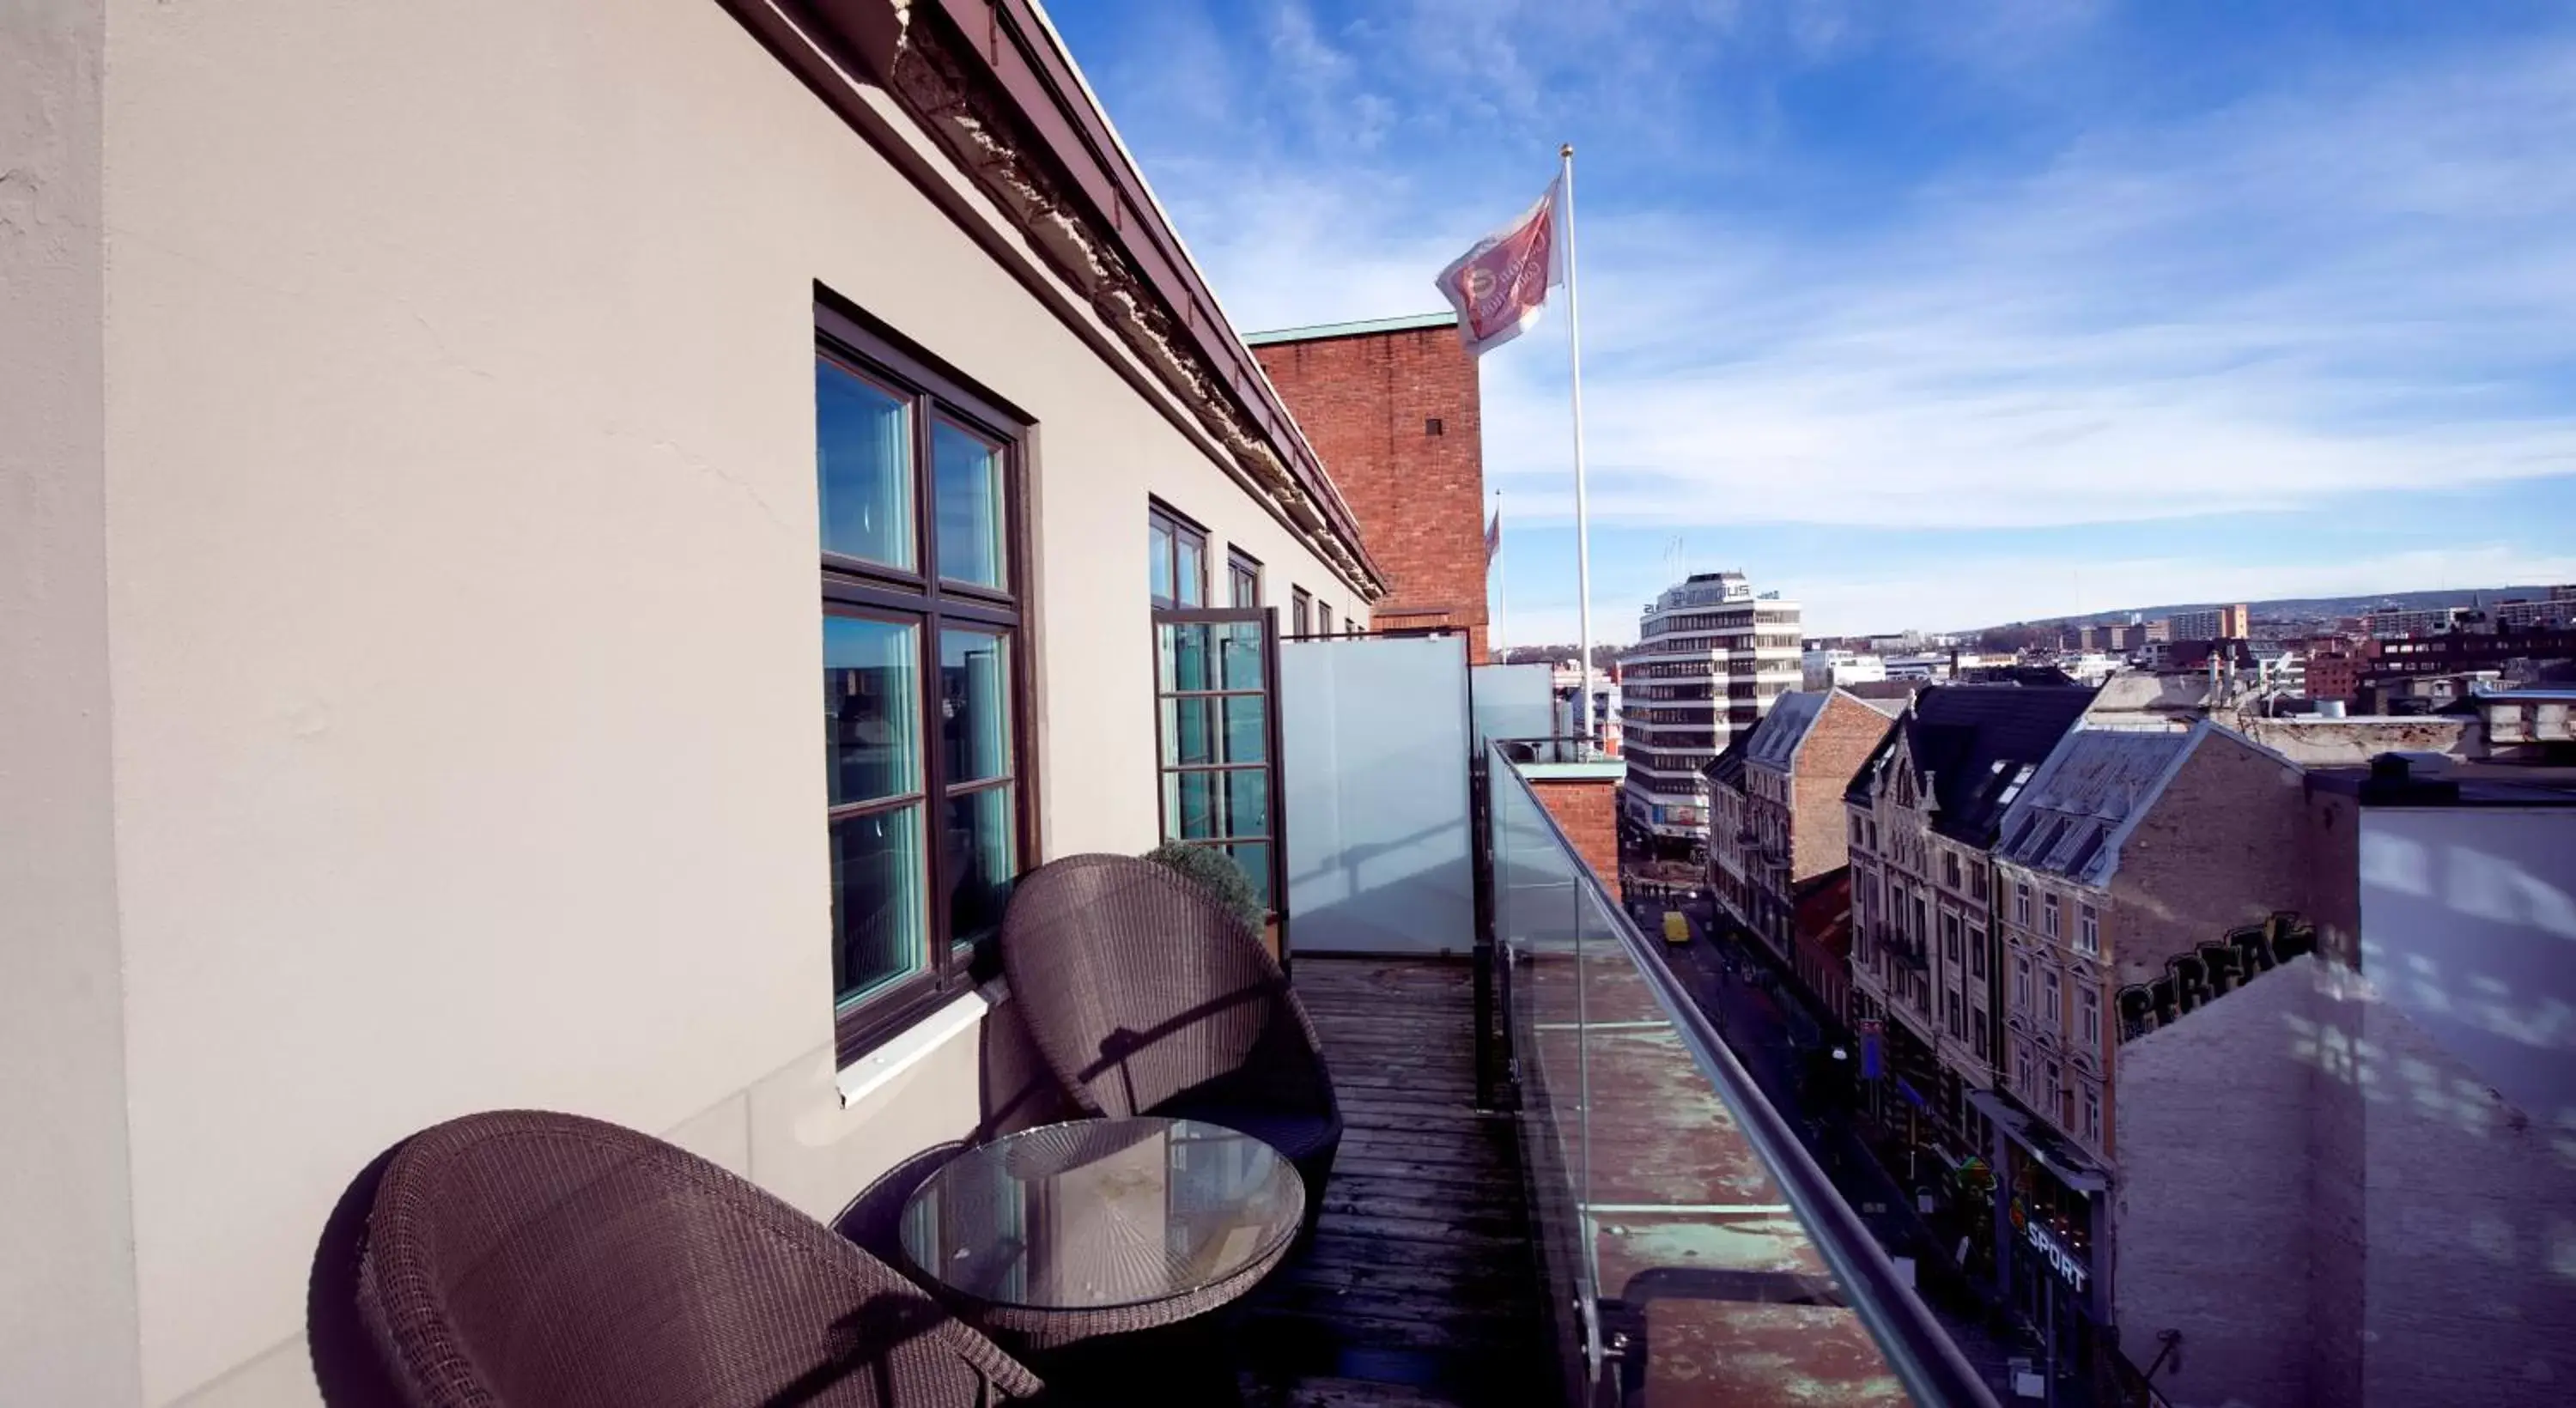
x: 1323, y: 619
x: 1301, y: 611
x: 1179, y: 551
x: 926, y: 743
x: 1242, y: 578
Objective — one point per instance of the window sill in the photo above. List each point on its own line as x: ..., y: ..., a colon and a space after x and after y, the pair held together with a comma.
x: 905, y: 1049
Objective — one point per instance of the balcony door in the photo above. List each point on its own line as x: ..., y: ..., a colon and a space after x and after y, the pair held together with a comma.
x: 1217, y: 722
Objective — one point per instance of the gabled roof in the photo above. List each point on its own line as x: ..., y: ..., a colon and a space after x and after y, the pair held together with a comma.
x: 2093, y: 791
x: 1728, y: 766
x: 2082, y: 803
x: 1775, y: 740
x: 1978, y: 743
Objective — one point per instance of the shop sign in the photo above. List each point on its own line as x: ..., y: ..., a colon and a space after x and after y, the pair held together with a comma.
x: 2060, y: 1258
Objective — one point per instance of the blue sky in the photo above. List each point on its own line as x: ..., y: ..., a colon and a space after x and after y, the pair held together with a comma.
x: 1935, y: 313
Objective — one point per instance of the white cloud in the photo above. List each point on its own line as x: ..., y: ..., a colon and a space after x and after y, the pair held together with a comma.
x: 2359, y: 280
x: 2308, y: 295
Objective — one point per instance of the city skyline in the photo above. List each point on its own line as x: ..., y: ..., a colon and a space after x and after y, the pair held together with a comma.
x: 2036, y: 311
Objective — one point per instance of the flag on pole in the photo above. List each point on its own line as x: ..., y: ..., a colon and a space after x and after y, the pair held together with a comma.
x: 1494, y: 534
x: 1499, y: 286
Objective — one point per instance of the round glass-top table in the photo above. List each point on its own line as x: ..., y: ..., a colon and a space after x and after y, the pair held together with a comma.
x: 1103, y: 1226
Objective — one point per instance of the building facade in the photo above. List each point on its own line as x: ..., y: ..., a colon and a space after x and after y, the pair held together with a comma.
x: 1711, y: 658
x: 2397, y: 623
x: 2557, y: 611
x: 2126, y: 851
x: 2216, y: 623
x: 1782, y: 794
x: 2373, y: 1107
x: 458, y: 513
x: 1392, y: 406
x: 1921, y: 813
x: 1834, y: 668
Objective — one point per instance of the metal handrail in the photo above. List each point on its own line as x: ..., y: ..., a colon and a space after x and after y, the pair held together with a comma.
x: 1926, y: 1360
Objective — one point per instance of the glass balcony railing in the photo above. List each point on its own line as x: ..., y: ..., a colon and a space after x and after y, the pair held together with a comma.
x: 1694, y: 1251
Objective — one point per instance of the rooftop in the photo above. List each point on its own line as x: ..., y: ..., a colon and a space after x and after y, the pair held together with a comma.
x: 2423, y: 782
x: 1409, y: 322
x: 2082, y: 803
x: 1775, y: 740
x: 1975, y: 741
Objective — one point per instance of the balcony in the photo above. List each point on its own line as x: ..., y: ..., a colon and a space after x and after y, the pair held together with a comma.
x: 1557, y: 1173
x: 1555, y: 1183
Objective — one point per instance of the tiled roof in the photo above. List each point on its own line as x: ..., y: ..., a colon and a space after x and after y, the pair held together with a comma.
x: 2073, y: 813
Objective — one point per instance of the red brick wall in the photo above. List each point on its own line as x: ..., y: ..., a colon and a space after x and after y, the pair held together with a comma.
x: 1840, y: 740
x: 1588, y: 812
x: 1365, y: 403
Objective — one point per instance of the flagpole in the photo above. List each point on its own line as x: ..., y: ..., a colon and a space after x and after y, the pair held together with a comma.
x: 1582, y: 508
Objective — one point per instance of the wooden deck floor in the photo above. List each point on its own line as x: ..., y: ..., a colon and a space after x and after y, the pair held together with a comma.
x: 1420, y: 1286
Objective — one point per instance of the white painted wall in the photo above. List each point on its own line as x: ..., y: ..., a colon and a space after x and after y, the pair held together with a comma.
x: 2335, y: 1209
x: 2210, y: 1208
x: 421, y: 583
x: 2468, y: 922
x: 67, y: 1320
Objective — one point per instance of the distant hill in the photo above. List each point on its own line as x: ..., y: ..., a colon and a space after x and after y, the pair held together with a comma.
x: 2323, y: 607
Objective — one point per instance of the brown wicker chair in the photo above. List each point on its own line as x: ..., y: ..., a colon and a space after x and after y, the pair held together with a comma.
x: 523, y: 1258
x: 1148, y: 996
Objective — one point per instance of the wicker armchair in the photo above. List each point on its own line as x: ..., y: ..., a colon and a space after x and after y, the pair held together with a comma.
x: 1147, y: 996
x: 528, y: 1258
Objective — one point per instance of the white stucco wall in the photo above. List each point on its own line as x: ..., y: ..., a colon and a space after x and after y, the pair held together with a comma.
x: 442, y: 549
x: 2336, y: 1209
x: 2209, y: 1215
x: 67, y: 1320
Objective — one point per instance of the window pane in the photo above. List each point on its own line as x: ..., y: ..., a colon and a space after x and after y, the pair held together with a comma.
x: 974, y: 705
x: 863, y: 467
x: 1200, y: 805
x: 982, y: 853
x: 1239, y: 655
x: 1247, y: 734
x: 877, y: 916
x: 1189, y: 731
x: 1158, y: 546
x: 871, y: 709
x: 1184, y: 657
x: 1191, y: 567
x: 966, y: 494
x: 1246, y: 586
x: 1243, y: 796
x: 1189, y: 805
x: 1255, y: 860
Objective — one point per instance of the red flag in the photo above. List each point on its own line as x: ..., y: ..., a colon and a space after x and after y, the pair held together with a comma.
x: 1499, y: 286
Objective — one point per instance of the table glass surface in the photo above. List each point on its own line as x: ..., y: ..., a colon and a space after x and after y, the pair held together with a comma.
x: 1102, y: 1213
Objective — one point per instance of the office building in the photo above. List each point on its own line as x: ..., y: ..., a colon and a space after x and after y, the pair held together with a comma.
x: 2213, y: 623
x: 1711, y: 657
